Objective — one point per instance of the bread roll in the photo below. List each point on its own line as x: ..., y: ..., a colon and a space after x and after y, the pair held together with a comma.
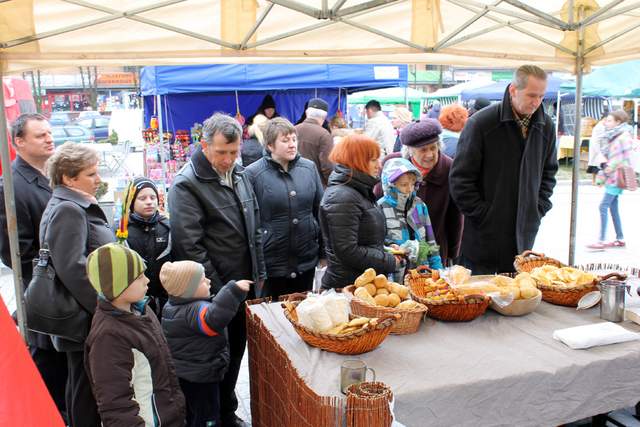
x: 382, y: 300
x: 371, y: 288
x: 380, y: 281
x: 366, y: 277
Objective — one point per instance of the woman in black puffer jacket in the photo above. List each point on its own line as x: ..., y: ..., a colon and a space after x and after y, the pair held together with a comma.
x: 289, y: 190
x: 149, y: 236
x: 353, y: 225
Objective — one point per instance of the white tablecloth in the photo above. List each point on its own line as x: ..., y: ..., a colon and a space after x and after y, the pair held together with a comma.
x: 492, y: 371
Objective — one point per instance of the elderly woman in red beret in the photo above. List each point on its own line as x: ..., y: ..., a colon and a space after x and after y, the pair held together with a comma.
x: 422, y: 146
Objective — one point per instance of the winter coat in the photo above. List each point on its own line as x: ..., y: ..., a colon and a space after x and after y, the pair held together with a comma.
x: 289, y: 202
x: 315, y: 143
x: 503, y: 183
x: 379, y: 128
x: 446, y: 218
x: 151, y: 239
x: 74, y: 228
x: 215, y: 224
x: 251, y: 151
x: 353, y: 228
x: 129, y: 367
x: 450, y: 142
x: 618, y: 151
x: 31, y: 193
x: 196, y: 333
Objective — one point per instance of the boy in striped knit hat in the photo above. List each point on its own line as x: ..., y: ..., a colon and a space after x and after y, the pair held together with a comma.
x: 126, y: 356
x: 195, y: 326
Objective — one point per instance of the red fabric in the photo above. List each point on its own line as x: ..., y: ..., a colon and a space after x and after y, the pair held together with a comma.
x: 24, y: 399
x: 423, y: 171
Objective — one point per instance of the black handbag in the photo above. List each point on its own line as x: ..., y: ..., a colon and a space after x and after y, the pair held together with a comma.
x: 50, y: 307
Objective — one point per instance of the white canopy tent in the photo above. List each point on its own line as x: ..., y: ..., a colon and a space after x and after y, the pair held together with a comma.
x: 569, y: 35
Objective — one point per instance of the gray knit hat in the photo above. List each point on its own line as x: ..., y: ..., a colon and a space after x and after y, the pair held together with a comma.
x: 419, y: 134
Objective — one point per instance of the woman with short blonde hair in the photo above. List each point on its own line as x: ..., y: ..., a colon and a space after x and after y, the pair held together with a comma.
x: 72, y: 226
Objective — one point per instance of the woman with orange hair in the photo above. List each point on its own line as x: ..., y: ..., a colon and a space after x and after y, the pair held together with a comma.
x: 353, y: 225
x: 452, y: 118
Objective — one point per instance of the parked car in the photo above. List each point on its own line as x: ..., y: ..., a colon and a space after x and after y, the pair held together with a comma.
x: 88, y: 114
x: 60, y: 118
x: 98, y: 125
x: 73, y: 133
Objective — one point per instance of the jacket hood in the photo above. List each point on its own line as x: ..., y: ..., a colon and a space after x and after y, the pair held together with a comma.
x: 360, y: 181
x: 394, y: 169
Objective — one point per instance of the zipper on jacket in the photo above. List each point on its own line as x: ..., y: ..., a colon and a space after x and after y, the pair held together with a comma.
x: 156, y: 415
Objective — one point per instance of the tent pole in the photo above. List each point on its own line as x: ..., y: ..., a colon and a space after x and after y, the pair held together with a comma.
x: 163, y: 159
x: 558, y: 99
x: 406, y: 98
x: 12, y: 221
x: 576, y: 144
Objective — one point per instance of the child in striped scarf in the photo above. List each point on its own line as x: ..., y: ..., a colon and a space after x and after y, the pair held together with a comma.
x: 407, y: 216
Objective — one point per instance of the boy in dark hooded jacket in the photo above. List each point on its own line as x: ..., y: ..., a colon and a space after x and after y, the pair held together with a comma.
x: 195, y: 326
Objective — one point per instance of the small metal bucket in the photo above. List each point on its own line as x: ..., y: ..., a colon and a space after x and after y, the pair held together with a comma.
x: 613, y: 300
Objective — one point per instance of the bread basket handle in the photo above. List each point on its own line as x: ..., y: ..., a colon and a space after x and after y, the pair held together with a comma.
x: 423, y: 270
x: 529, y: 253
x: 614, y: 275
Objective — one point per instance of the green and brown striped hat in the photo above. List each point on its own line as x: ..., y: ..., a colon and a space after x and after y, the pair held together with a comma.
x: 112, y: 268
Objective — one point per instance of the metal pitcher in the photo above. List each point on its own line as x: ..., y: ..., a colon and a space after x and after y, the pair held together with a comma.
x: 612, y: 302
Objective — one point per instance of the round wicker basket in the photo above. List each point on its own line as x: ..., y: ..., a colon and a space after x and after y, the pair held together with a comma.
x: 454, y: 311
x: 408, y: 323
x: 357, y: 342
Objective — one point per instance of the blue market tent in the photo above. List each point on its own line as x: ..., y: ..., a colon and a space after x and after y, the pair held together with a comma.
x: 614, y: 81
x: 495, y: 91
x: 192, y: 93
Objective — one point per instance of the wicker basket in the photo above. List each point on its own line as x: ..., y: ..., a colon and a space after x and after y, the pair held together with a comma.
x: 553, y: 294
x: 368, y: 405
x: 451, y: 311
x: 356, y: 342
x: 408, y: 323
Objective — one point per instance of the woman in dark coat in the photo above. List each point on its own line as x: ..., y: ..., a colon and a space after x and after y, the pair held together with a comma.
x: 353, y: 225
x: 149, y: 235
x: 73, y: 225
x: 267, y: 108
x: 289, y: 190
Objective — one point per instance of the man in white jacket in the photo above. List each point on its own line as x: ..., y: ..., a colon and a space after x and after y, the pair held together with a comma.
x: 379, y: 127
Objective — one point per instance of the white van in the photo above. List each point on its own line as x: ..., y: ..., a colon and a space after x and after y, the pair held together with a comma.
x: 128, y: 124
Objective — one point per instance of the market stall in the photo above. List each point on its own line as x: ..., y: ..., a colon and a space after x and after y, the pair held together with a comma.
x: 494, y: 370
x: 181, y: 98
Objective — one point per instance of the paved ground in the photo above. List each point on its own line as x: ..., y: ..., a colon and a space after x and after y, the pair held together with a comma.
x: 553, y: 239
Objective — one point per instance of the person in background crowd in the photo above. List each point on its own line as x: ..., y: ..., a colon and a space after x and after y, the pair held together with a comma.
x: 31, y: 136
x: 253, y: 148
x: 378, y: 127
x: 150, y: 236
x: 479, y: 104
x: 73, y: 225
x: 401, y: 117
x: 303, y: 117
x: 452, y: 118
x: 195, y: 324
x: 434, y: 110
x: 353, y: 225
x: 289, y: 190
x: 595, y: 143
x: 314, y: 142
x: 215, y: 221
x: 407, y: 217
x: 267, y: 108
x: 339, y: 128
x: 503, y: 175
x: 423, y: 150
x: 127, y: 357
x: 617, y: 153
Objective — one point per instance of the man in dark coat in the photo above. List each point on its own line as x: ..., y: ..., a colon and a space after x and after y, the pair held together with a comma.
x: 31, y: 135
x: 504, y: 174
x: 315, y: 142
x: 424, y: 151
x: 215, y: 221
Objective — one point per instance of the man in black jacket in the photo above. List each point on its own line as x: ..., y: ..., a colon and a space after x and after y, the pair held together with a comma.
x: 214, y: 221
x: 504, y: 173
x: 31, y: 136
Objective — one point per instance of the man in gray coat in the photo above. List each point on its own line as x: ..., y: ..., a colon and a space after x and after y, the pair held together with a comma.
x: 315, y: 142
x: 214, y: 221
x: 31, y: 136
x: 503, y: 175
